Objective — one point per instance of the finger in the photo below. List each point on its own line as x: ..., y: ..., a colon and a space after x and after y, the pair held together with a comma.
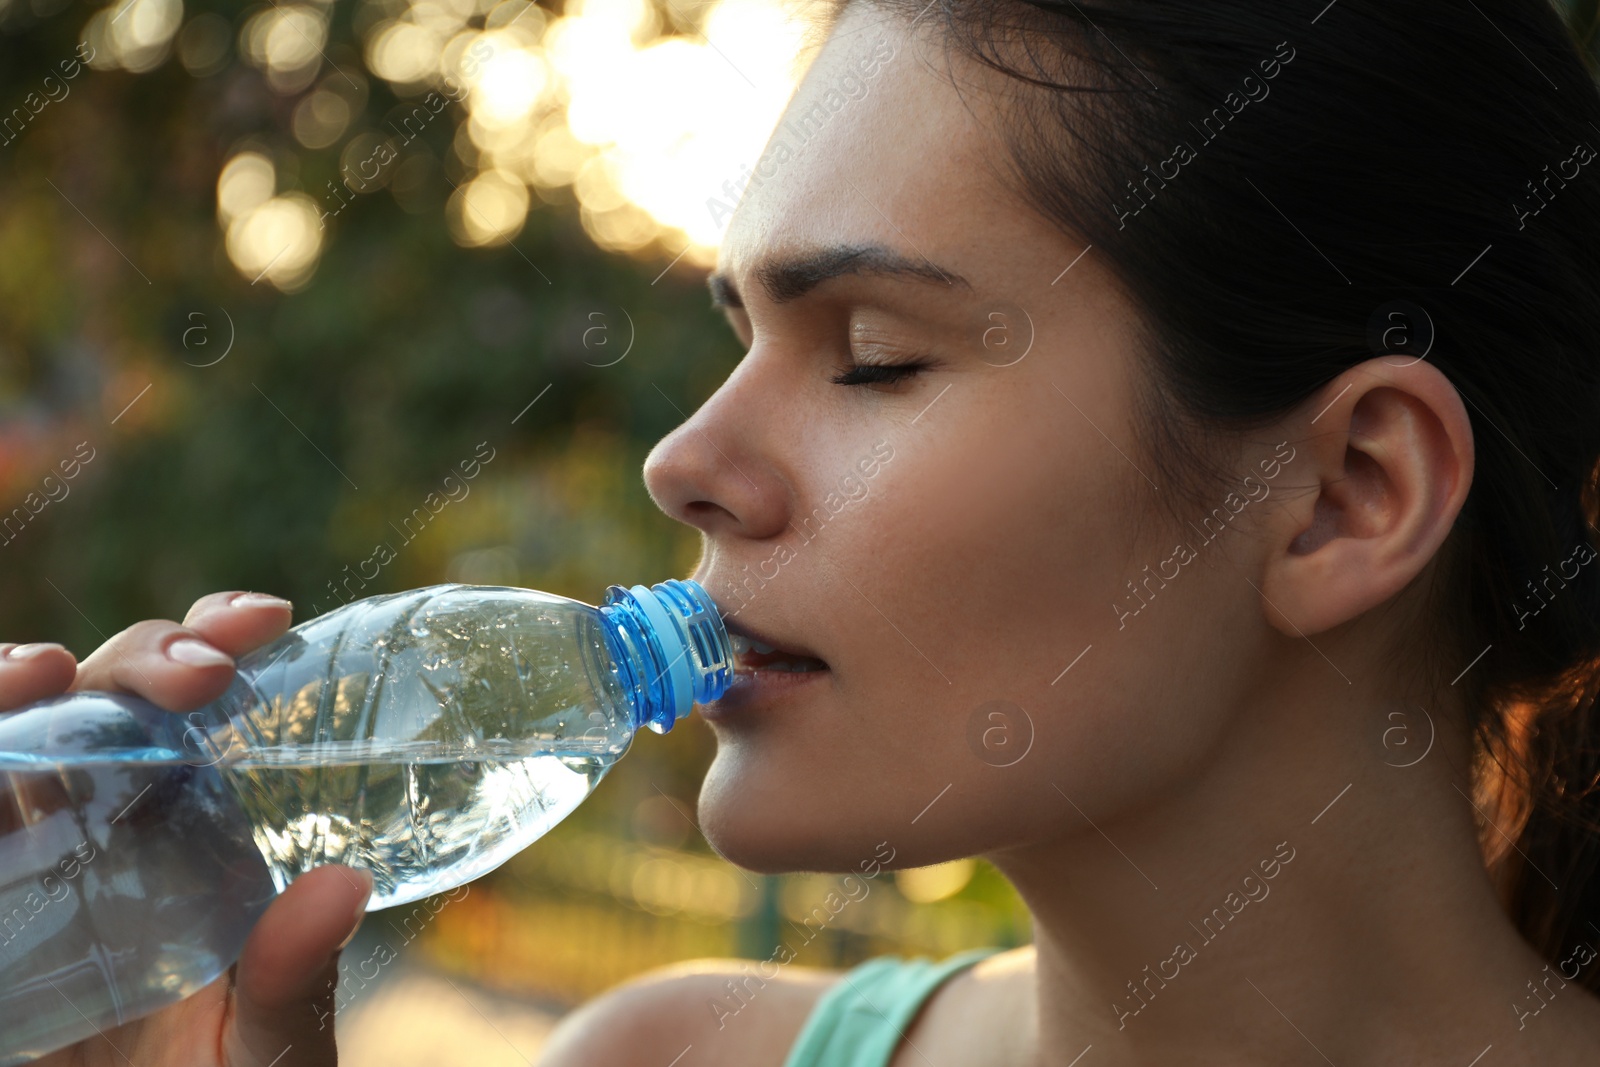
x: 167, y: 664
x: 183, y: 667
x: 283, y: 995
x: 33, y: 672
x: 239, y: 622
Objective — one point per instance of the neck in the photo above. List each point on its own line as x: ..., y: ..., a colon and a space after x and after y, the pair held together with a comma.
x: 1305, y: 898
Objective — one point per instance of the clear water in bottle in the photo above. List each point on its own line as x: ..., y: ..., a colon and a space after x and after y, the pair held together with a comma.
x: 438, y: 737
x: 425, y: 736
x: 420, y: 824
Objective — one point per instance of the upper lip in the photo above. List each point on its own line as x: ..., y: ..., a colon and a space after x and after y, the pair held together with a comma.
x: 784, y: 645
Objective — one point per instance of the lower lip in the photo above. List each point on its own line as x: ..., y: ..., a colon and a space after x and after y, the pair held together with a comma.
x: 756, y: 688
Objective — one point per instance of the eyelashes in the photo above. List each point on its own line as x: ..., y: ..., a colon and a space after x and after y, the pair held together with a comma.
x: 878, y: 373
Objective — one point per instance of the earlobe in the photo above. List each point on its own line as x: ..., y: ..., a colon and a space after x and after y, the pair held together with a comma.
x: 1386, y: 456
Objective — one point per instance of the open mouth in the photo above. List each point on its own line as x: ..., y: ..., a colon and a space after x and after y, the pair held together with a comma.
x: 750, y: 654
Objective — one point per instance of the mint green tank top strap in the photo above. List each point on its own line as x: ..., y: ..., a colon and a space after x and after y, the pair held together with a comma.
x: 860, y: 1020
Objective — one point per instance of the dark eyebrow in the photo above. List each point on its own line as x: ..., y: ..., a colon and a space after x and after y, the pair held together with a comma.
x: 794, y: 276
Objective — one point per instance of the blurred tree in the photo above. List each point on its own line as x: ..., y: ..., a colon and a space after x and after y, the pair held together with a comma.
x: 247, y: 438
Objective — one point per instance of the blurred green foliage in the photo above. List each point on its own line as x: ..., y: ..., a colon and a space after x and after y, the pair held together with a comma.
x: 339, y: 408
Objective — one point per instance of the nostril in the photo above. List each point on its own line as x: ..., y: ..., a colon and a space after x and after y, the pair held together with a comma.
x: 698, y: 511
x: 703, y: 474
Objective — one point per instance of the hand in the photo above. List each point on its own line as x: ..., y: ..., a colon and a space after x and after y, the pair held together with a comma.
x: 275, y: 1005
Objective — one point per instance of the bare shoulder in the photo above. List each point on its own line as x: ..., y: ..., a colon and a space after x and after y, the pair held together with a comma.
x: 984, y: 1014
x: 727, y: 1010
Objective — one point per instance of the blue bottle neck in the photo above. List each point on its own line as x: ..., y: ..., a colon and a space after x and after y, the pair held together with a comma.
x: 670, y: 649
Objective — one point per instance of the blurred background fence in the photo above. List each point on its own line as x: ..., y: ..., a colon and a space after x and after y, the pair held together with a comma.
x: 273, y: 275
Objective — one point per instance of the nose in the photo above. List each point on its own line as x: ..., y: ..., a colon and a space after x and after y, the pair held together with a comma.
x: 715, y: 471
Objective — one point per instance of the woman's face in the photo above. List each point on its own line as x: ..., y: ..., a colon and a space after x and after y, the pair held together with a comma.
x: 955, y: 546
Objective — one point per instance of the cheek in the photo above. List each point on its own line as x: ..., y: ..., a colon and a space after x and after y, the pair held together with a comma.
x: 999, y: 548
x: 983, y: 566
x: 940, y: 776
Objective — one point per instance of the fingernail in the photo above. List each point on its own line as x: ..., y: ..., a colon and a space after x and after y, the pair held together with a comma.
x: 259, y: 600
x: 361, y: 908
x: 194, y: 653
x: 31, y: 650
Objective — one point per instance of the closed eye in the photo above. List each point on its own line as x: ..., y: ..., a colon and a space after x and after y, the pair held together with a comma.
x: 876, y: 373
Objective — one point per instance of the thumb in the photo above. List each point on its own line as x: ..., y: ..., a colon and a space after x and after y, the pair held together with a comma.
x: 284, y: 984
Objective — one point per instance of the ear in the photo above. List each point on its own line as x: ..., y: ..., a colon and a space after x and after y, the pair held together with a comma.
x: 1386, y: 455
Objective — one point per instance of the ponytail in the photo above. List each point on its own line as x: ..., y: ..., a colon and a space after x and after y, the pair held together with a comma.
x: 1539, y: 777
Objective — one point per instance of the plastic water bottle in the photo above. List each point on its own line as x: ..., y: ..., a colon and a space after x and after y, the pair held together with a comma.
x: 425, y: 736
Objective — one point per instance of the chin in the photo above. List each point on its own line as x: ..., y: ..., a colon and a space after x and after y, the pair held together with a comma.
x: 746, y: 831
x: 763, y: 829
